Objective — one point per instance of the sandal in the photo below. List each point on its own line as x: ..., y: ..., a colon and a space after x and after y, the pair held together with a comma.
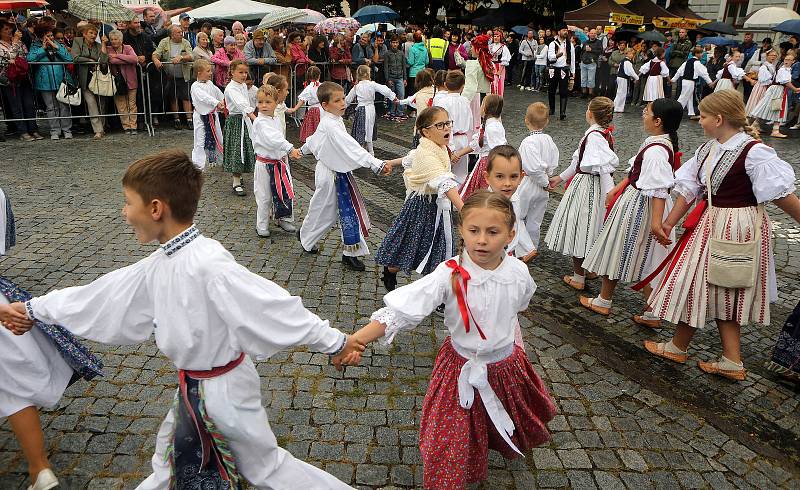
x: 586, y: 302
x: 713, y: 368
x: 641, y: 320
x: 778, y: 135
x: 573, y: 284
x: 657, y: 349
x: 239, y: 190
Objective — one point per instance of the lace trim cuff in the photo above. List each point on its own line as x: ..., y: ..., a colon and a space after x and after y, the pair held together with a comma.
x: 659, y: 193
x: 687, y: 193
x: 388, y: 317
x: 445, y: 186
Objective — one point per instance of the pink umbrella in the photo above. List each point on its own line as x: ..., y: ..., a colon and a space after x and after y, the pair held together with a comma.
x: 336, y: 24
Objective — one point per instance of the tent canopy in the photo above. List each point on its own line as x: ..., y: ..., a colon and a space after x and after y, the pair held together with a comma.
x: 647, y: 9
x: 684, y: 12
x: 596, y: 13
x: 231, y: 10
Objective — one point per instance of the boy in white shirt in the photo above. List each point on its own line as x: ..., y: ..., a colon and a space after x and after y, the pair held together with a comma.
x: 207, y: 99
x: 458, y: 107
x: 336, y: 195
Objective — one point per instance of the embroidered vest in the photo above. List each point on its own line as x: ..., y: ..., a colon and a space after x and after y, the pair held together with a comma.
x: 731, y: 187
x: 582, y: 148
x: 655, y: 67
x: 636, y: 170
x: 726, y: 73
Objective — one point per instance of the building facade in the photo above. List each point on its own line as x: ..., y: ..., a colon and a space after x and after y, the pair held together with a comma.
x: 735, y: 11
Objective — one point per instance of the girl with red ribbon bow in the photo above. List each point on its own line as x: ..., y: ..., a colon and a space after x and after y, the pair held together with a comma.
x: 483, y: 289
x: 632, y: 243
x: 309, y: 96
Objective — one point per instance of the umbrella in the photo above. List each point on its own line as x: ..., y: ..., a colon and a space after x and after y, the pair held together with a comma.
x: 21, y: 4
x: 374, y: 27
x: 279, y: 17
x: 769, y: 16
x: 791, y: 26
x: 375, y: 13
x: 102, y: 10
x: 521, y: 30
x: 309, y: 17
x: 717, y: 41
x: 652, y: 36
x: 336, y: 24
x: 719, y: 27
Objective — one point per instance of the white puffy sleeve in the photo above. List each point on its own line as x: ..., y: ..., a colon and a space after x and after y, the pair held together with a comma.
x: 443, y: 183
x: 351, y: 96
x: 385, y: 91
x: 534, y: 163
x: 407, y: 306
x: 306, y: 94
x: 772, y: 177
x: 686, y: 183
x: 784, y: 76
x: 530, y: 288
x: 656, y: 178
x: 664, y: 70
x: 736, y: 72
x: 238, y: 101
x: 570, y: 171
x: 203, y: 98
x: 764, y: 75
x: 113, y: 309
x: 679, y: 71
x: 338, y: 151
x: 701, y: 71
x: 505, y: 56
x: 598, y: 156
x: 645, y: 68
x: 264, y: 318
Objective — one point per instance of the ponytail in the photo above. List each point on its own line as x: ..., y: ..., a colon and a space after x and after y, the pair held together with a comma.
x: 673, y: 137
x: 752, y: 130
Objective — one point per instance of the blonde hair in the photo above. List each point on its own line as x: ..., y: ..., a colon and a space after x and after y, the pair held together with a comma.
x: 200, y: 65
x: 602, y: 109
x: 363, y: 72
x: 537, y: 116
x: 269, y: 91
x: 276, y: 80
x: 728, y: 104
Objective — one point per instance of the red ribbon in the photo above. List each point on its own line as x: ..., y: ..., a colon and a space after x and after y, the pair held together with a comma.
x: 211, y: 118
x: 280, y: 176
x: 461, y: 296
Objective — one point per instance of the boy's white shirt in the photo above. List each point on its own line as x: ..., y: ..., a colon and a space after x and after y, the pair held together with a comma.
x: 460, y: 112
x: 205, y: 96
x: 336, y: 149
x: 539, y: 158
x: 522, y: 244
x: 268, y: 139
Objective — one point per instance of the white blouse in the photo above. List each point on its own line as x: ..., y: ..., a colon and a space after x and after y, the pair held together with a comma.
x: 500, y: 53
x: 364, y: 93
x: 598, y: 157
x: 268, y: 139
x: 539, y: 158
x: 765, y: 74
x: 204, y: 308
x: 459, y: 110
x: 645, y: 69
x: 494, y: 134
x: 237, y: 98
x: 494, y: 297
x: 335, y: 148
x: 784, y: 75
x: 205, y: 97
x: 772, y: 177
x: 656, y: 177
x: 309, y: 94
x: 736, y: 72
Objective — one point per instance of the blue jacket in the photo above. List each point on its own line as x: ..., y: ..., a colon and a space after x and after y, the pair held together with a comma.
x: 48, y: 77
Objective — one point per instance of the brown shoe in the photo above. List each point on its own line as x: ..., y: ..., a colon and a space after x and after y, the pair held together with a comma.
x: 657, y: 349
x: 640, y: 320
x: 713, y: 368
x: 574, y: 285
x: 587, y: 303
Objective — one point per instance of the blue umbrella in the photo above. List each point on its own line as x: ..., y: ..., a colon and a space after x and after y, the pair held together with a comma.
x: 375, y: 13
x: 717, y: 41
x: 791, y: 26
x: 521, y: 30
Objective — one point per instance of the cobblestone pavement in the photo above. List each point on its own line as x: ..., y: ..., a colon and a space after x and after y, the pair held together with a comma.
x: 625, y: 419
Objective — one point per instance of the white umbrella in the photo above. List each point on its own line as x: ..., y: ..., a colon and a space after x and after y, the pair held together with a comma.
x: 769, y: 17
x: 310, y: 17
x: 278, y: 17
x: 374, y: 27
x: 231, y: 10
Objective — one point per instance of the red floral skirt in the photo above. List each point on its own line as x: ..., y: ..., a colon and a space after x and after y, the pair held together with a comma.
x: 310, y: 123
x: 476, y: 180
x: 455, y: 441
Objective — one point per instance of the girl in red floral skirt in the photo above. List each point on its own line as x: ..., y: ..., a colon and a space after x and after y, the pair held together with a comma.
x: 309, y: 96
x: 484, y: 392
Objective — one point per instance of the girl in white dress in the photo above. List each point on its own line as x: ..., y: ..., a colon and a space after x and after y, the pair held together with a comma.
x: 365, y: 124
x: 579, y: 216
x: 744, y: 175
x: 490, y: 135
x: 626, y: 250
x: 730, y: 75
x: 656, y: 70
x: 774, y: 105
x: 766, y: 74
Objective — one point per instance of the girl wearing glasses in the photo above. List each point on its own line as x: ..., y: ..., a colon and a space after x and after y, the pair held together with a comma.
x: 421, y: 236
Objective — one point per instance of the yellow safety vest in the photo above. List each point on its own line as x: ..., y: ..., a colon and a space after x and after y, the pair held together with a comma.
x: 437, y: 47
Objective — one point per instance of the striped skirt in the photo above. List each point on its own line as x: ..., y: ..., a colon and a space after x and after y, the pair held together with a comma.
x: 755, y: 97
x: 310, y: 123
x: 764, y: 109
x: 625, y: 250
x: 476, y: 181
x: 684, y: 295
x: 578, y: 218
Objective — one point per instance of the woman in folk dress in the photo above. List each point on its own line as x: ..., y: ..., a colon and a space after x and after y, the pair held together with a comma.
x: 730, y: 75
x: 745, y: 174
x: 766, y: 74
x: 501, y: 57
x: 774, y: 105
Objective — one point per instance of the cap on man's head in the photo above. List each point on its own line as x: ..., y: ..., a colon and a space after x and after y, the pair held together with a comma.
x: 183, y: 16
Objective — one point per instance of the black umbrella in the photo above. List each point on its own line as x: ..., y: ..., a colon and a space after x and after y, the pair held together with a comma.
x: 652, y: 36
x: 719, y: 27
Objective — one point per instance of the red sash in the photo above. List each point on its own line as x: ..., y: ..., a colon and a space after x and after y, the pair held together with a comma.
x: 280, y: 176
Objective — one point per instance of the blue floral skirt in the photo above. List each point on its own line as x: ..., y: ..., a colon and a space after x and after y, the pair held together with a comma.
x: 359, y: 130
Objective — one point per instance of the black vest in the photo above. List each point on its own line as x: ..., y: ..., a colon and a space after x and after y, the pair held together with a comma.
x: 688, y: 70
x: 568, y: 50
x: 621, y: 72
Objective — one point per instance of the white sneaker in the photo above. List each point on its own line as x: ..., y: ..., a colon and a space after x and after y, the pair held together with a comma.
x: 287, y: 226
x: 54, y: 136
x: 263, y: 233
x: 67, y: 135
x: 45, y: 480
x: 796, y: 126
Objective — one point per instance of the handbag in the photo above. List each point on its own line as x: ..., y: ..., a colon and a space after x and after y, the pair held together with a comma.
x: 102, y: 82
x: 776, y: 104
x: 120, y: 84
x: 731, y: 264
x: 68, y: 93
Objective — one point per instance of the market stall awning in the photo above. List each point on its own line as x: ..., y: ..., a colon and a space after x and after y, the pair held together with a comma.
x: 646, y: 9
x: 596, y: 13
x: 231, y: 10
x: 684, y: 12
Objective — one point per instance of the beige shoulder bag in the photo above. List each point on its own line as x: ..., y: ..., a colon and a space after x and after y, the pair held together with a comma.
x: 731, y: 264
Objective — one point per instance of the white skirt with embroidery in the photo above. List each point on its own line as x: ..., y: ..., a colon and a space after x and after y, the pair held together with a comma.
x: 653, y: 88
x: 578, y: 218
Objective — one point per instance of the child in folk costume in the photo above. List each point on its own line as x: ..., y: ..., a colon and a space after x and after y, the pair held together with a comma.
x: 365, y: 124
x: 655, y: 69
x: 774, y: 105
x: 504, y: 175
x: 422, y: 99
x: 501, y: 57
x: 625, y: 74
x: 766, y: 75
x: 272, y: 181
x: 238, y: 157
x: 207, y: 100
x: 457, y: 106
x: 626, y: 249
x: 309, y: 96
x: 421, y: 236
x: 479, y: 74
x: 213, y: 315
x: 579, y: 216
x: 490, y: 135
x: 281, y: 84
x: 439, y: 86
x: 730, y: 75
x: 732, y: 287
x: 483, y: 289
x: 539, y: 160
x: 35, y: 368
x: 689, y: 72
x: 335, y: 192
x: 252, y: 90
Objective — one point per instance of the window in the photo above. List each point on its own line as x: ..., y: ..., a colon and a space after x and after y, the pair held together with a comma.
x: 736, y: 11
